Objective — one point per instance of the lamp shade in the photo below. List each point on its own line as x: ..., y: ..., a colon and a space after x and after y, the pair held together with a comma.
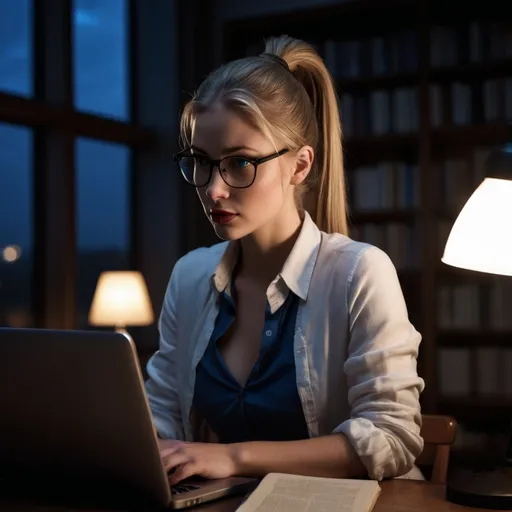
x: 481, y: 240
x: 481, y: 237
x: 121, y: 299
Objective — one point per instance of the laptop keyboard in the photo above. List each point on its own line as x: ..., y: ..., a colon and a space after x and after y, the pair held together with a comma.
x: 181, y: 488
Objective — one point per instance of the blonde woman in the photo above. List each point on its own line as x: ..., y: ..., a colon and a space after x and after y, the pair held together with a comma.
x: 289, y: 340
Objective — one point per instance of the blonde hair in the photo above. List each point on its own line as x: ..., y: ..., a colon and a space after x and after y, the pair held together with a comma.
x: 297, y: 106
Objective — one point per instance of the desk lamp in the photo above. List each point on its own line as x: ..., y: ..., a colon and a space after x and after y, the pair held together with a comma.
x: 481, y: 240
x: 121, y: 299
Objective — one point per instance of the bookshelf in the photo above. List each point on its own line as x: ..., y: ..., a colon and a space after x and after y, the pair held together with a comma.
x: 425, y: 91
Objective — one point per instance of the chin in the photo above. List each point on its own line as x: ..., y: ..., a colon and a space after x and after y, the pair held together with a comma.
x: 228, y: 235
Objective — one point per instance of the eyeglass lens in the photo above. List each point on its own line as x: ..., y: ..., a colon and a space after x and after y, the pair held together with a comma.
x: 235, y: 171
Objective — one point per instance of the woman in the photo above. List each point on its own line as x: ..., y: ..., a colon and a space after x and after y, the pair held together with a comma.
x: 289, y: 340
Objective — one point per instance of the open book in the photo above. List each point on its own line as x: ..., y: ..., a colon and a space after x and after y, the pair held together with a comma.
x: 292, y: 493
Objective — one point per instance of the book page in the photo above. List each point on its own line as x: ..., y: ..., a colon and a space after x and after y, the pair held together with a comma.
x: 292, y: 493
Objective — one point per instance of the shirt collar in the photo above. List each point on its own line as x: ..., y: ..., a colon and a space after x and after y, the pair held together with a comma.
x: 297, y: 269
x: 222, y: 275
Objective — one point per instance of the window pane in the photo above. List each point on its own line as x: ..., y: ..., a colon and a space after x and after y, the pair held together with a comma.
x: 16, y: 236
x: 103, y: 216
x: 16, y: 46
x: 100, y: 30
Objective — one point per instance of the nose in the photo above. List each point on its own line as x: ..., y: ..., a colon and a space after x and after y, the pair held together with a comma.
x: 217, y: 188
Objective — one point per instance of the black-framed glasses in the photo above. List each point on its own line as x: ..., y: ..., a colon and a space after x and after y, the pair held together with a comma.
x: 236, y: 171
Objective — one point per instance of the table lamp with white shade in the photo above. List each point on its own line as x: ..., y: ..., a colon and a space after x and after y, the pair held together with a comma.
x: 481, y: 240
x: 121, y: 300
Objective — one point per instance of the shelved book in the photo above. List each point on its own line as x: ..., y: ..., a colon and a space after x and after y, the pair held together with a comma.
x: 283, y: 493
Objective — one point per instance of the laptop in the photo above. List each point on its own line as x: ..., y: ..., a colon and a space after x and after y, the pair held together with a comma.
x: 75, y: 424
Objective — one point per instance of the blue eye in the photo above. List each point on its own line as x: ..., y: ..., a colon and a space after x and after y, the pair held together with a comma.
x: 243, y: 163
x: 239, y: 163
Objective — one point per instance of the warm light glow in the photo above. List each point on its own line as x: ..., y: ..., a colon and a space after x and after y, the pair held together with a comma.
x: 121, y: 299
x: 481, y: 238
x: 11, y: 253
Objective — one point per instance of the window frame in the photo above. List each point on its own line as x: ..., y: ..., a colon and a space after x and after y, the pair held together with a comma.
x: 56, y: 124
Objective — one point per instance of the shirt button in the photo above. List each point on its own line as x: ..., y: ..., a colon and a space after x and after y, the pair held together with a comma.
x: 268, y: 333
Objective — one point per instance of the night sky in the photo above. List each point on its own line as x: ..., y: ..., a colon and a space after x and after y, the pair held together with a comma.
x: 100, y: 71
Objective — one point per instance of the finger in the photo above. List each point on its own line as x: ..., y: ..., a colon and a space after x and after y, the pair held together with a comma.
x: 164, y: 444
x: 183, y: 471
x: 171, y: 447
x: 175, y: 459
x: 169, y: 452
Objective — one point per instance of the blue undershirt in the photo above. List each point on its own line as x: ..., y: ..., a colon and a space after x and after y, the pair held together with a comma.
x: 268, y: 407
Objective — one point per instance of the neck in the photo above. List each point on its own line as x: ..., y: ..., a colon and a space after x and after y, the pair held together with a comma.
x: 264, y: 252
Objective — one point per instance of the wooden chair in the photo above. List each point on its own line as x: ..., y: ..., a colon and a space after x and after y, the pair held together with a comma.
x: 438, y: 432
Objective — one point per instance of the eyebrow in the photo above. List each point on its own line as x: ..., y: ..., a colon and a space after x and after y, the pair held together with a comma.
x: 225, y: 151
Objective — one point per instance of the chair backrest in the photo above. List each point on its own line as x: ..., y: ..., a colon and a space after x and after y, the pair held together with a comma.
x: 438, y: 433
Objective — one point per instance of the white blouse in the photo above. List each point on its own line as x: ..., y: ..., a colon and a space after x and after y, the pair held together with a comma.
x: 355, y: 348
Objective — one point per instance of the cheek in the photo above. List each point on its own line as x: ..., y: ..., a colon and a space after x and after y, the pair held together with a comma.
x: 271, y: 183
x: 263, y: 200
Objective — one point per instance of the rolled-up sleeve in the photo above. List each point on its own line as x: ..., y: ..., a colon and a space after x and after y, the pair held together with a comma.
x: 381, y: 368
x: 162, y: 386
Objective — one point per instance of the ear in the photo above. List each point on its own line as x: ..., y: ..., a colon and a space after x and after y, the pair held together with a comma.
x: 303, y: 162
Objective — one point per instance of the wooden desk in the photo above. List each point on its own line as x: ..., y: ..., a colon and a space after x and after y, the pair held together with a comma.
x: 396, y: 496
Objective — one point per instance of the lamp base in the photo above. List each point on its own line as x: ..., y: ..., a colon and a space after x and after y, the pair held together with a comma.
x: 490, y: 488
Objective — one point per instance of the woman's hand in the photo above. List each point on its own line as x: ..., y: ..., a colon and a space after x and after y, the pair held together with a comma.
x: 208, y: 460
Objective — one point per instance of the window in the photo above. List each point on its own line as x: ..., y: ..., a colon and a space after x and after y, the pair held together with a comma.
x: 100, y: 61
x: 103, y: 188
x: 16, y: 237
x: 37, y: 278
x: 16, y: 47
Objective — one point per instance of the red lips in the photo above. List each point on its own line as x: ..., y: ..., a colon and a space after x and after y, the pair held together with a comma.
x: 222, y: 216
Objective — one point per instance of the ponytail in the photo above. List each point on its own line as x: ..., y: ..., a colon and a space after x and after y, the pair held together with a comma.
x: 291, y: 98
x: 327, y: 183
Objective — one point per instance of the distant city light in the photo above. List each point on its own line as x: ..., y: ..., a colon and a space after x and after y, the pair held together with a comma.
x: 11, y: 253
